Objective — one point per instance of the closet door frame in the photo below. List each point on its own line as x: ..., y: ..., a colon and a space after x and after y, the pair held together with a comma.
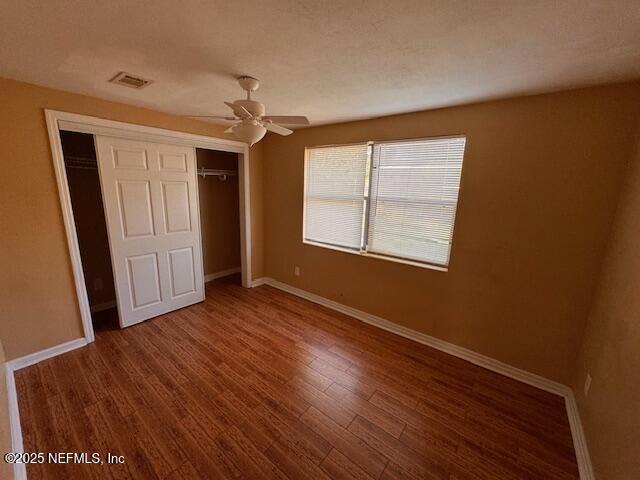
x: 64, y: 121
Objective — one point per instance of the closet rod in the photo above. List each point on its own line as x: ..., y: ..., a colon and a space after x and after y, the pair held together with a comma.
x: 82, y: 163
x: 221, y: 174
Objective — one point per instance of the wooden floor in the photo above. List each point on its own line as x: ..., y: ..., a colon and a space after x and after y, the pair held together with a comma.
x: 261, y: 384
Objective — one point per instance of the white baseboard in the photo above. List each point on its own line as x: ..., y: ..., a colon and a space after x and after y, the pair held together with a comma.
x: 101, y: 307
x: 258, y: 281
x: 19, y: 470
x: 54, y: 351
x: 220, y: 274
x: 579, y: 440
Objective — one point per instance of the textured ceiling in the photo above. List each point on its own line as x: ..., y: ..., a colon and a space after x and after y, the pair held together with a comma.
x: 330, y: 60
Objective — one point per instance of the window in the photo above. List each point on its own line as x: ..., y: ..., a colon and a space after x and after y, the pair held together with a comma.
x: 391, y: 199
x: 335, y: 195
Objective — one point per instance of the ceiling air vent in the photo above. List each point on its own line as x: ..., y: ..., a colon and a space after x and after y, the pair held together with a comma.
x: 128, y: 80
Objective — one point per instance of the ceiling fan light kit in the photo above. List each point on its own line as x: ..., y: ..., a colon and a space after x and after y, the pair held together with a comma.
x: 253, y: 124
x: 248, y: 132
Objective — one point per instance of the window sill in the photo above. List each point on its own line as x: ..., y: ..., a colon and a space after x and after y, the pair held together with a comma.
x: 429, y: 266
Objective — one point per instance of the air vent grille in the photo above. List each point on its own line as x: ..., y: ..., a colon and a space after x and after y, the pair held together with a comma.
x: 128, y: 80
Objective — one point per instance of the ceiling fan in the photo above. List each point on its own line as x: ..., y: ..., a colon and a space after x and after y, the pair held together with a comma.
x: 252, y: 122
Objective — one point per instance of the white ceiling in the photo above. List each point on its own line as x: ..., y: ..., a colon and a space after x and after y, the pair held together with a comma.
x: 330, y: 60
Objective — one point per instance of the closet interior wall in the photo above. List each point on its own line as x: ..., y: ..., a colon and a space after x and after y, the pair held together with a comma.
x: 86, y: 200
x: 219, y: 212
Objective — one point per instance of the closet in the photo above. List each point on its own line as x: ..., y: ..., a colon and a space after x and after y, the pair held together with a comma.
x: 150, y: 231
x: 219, y: 212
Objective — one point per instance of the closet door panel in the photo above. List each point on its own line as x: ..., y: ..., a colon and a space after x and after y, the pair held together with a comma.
x: 182, y: 270
x: 144, y: 278
x: 130, y: 158
x: 134, y: 200
x: 176, y: 206
x: 149, y: 192
x: 173, y: 162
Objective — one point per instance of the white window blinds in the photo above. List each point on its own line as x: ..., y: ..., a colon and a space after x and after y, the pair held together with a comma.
x: 396, y: 199
x: 335, y: 180
x: 414, y: 192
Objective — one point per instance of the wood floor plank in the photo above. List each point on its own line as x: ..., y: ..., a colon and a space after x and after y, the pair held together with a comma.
x: 351, y: 382
x: 279, y: 394
x: 293, y: 463
x: 149, y: 446
x: 256, y: 383
x: 186, y: 471
x: 252, y: 462
x: 346, y: 442
x: 339, y: 467
x: 108, y: 440
x: 223, y: 462
x: 413, y: 465
x: 322, y: 401
x: 296, y: 434
x: 349, y: 400
x: 138, y: 461
x: 197, y: 454
x: 261, y: 433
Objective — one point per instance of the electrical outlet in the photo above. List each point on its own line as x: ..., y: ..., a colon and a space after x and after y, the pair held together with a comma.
x: 97, y: 284
x: 296, y: 271
x: 587, y: 385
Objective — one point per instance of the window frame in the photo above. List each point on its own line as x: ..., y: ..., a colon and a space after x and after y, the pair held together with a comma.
x: 363, y: 252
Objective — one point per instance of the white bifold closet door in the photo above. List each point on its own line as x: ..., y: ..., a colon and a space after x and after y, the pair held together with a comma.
x: 150, y: 199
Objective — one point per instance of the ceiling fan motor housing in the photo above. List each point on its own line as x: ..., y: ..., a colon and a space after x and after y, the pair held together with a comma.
x: 254, y: 108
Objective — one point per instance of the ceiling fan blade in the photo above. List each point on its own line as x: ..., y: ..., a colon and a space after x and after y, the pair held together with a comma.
x: 239, y: 110
x: 272, y: 127
x: 287, y: 119
x: 220, y: 117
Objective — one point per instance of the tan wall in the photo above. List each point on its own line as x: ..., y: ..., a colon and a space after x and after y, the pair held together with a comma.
x: 611, y: 348
x: 539, y: 186
x: 38, y: 306
x: 219, y: 212
x: 6, y: 470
